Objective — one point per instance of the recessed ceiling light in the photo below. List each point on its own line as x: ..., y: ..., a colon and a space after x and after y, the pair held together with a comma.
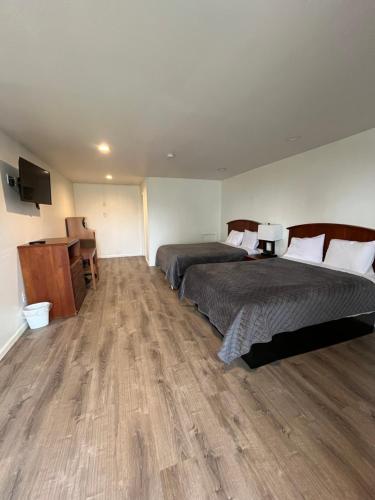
x: 104, y: 148
x: 171, y: 155
x: 223, y: 169
x: 109, y: 177
x: 293, y: 138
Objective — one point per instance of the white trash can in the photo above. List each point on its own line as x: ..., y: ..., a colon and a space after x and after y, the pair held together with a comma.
x: 37, y: 315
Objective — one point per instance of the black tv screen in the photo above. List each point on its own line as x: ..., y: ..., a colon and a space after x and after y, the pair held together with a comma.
x: 34, y: 183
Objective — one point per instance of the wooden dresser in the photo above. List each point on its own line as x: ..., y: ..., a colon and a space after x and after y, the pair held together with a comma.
x: 53, y: 272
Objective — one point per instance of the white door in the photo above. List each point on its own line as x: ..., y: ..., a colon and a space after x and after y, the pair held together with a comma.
x: 115, y: 212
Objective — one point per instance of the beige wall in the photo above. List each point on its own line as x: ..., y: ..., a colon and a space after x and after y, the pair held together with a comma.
x: 333, y: 183
x: 18, y: 228
x: 145, y: 220
x: 181, y: 211
x: 115, y: 212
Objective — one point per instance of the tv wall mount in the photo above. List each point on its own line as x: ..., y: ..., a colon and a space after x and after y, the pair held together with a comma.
x: 14, y: 183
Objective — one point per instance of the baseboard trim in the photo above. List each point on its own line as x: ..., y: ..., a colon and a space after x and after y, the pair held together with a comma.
x: 20, y: 330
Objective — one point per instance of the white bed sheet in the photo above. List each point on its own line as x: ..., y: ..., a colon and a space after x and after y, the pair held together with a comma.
x: 369, y: 276
x: 255, y: 251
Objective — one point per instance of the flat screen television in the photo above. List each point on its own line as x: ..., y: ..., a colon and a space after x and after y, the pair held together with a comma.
x: 34, y: 183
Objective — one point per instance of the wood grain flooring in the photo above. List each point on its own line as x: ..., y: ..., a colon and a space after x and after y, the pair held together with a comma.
x: 129, y: 401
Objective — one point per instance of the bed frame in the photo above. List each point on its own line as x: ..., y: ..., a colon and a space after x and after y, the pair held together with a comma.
x: 242, y: 224
x: 284, y: 345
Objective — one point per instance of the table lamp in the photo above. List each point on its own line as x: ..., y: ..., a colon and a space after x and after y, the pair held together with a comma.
x: 269, y: 233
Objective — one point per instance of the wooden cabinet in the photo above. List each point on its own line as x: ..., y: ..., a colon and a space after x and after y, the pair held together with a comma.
x: 53, y: 272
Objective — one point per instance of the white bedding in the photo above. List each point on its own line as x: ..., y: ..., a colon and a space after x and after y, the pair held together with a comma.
x: 250, y: 251
x: 370, y: 276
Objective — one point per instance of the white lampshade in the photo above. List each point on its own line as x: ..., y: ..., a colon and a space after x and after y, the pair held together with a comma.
x: 270, y: 232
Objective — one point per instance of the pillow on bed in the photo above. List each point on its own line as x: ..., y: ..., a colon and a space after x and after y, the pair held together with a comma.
x: 351, y: 255
x: 310, y: 249
x: 234, y: 238
x: 250, y: 240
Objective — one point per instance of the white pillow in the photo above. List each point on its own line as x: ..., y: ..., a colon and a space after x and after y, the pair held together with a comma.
x: 310, y: 249
x: 250, y: 240
x: 235, y: 238
x: 351, y: 255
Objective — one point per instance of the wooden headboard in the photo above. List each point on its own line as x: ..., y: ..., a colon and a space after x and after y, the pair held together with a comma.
x: 242, y: 224
x: 332, y: 231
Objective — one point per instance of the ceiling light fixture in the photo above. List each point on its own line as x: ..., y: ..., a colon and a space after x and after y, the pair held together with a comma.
x: 223, y: 169
x: 293, y: 138
x: 104, y: 148
x: 109, y: 177
x: 171, y: 155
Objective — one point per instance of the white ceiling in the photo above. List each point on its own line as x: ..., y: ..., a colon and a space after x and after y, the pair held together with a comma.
x: 222, y: 83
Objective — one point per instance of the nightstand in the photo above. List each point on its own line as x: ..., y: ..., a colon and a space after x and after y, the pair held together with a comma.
x: 259, y: 256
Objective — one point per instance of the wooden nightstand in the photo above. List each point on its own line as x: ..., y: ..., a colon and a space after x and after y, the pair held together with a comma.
x: 259, y: 256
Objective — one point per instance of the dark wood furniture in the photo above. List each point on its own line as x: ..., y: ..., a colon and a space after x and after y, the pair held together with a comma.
x: 53, y: 272
x: 89, y: 254
x: 76, y: 227
x: 242, y: 224
x: 259, y: 256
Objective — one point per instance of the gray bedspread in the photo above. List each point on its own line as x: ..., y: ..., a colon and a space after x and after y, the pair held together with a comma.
x: 249, y: 302
x: 174, y: 260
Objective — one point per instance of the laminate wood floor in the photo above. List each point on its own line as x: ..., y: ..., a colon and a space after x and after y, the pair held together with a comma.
x: 129, y: 401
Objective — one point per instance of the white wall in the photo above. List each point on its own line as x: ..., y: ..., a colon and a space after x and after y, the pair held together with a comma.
x: 145, y: 219
x: 333, y: 183
x: 18, y: 228
x: 181, y: 211
x: 115, y: 212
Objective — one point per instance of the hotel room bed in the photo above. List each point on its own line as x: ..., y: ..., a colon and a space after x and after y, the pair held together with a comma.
x: 250, y: 302
x: 174, y: 260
